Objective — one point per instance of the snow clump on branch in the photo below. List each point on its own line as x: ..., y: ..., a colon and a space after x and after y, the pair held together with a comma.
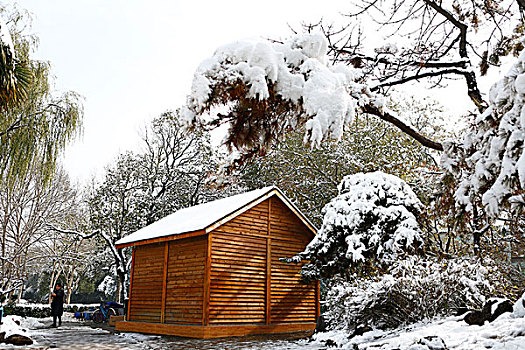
x: 371, y: 223
x: 489, y: 162
x: 271, y: 86
x: 6, y: 40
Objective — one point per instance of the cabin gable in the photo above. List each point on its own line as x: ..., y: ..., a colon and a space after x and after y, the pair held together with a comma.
x: 249, y: 284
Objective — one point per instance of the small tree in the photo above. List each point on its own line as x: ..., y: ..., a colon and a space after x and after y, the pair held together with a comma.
x: 368, y: 225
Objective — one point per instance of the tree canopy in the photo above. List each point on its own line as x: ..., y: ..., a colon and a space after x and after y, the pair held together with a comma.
x: 35, y: 122
x: 310, y: 175
x: 318, y: 81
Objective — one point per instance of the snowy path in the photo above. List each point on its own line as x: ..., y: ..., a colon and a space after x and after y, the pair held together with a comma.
x: 506, y: 333
x: 79, y: 335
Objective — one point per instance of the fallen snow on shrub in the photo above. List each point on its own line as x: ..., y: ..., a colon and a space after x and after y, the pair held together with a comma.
x: 504, y: 333
x: 519, y: 307
x: 371, y: 221
x: 414, y: 289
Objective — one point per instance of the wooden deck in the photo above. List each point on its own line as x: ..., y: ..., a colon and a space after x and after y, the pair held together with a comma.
x: 214, y: 331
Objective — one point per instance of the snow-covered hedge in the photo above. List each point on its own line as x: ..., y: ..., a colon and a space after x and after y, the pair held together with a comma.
x: 42, y: 310
x: 371, y: 223
x: 413, y: 289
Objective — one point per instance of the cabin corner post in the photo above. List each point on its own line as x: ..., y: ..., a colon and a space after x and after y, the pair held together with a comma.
x: 317, y: 301
x: 131, y: 281
x: 164, y: 283
x: 207, y: 278
x: 268, y: 311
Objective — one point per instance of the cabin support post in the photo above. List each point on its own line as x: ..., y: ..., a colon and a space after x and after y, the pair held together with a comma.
x: 131, y: 280
x: 317, y: 303
x: 207, y: 277
x: 164, y: 283
x: 269, y: 266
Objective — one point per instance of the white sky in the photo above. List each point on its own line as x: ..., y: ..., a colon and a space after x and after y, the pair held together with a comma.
x: 132, y: 59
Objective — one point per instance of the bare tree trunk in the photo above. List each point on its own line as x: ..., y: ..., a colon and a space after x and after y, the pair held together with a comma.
x: 20, y: 293
x: 70, y: 283
x: 53, y: 280
x: 120, y: 286
x: 4, y: 230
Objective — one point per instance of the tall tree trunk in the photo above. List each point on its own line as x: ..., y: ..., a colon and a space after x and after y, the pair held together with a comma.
x: 120, y: 286
x: 69, y: 282
x: 53, y: 280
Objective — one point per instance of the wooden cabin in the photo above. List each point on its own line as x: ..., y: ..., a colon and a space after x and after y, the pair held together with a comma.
x: 213, y: 270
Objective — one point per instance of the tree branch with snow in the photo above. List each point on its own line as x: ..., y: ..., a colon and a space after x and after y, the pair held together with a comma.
x: 269, y: 88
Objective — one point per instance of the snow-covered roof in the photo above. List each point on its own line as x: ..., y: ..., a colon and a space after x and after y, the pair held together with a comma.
x: 203, y: 216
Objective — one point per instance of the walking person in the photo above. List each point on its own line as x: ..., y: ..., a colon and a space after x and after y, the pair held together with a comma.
x: 57, y: 304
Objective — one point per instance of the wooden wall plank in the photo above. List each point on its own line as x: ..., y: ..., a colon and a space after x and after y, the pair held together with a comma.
x: 145, y: 302
x: 217, y: 331
x: 207, y: 273
x: 131, y: 280
x: 268, y: 301
x: 237, y: 280
x: 185, y: 281
x: 164, y: 283
x: 291, y: 301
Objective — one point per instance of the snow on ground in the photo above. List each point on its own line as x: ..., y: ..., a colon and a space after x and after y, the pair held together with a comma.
x: 505, y: 333
x: 13, y: 324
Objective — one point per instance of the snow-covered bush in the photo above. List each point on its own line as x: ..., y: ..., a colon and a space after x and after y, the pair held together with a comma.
x: 371, y: 223
x: 413, y: 289
x: 108, y: 286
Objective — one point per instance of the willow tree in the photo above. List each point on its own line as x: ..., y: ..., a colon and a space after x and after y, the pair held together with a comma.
x: 15, y: 77
x: 35, y: 122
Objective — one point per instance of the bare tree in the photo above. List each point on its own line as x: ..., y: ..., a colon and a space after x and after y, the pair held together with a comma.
x: 442, y: 39
x: 141, y: 188
x: 26, y: 208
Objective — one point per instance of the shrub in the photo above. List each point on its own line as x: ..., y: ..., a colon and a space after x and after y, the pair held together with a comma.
x: 368, y: 225
x: 412, y: 290
x: 40, y: 311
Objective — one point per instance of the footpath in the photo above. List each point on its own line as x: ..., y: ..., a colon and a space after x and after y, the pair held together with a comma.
x: 86, y: 335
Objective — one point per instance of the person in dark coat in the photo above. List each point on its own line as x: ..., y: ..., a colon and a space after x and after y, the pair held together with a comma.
x: 57, y: 304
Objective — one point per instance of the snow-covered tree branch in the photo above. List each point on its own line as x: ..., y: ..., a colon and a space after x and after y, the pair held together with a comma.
x: 271, y: 88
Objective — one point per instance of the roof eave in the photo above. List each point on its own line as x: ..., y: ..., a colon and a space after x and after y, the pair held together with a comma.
x: 171, y: 237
